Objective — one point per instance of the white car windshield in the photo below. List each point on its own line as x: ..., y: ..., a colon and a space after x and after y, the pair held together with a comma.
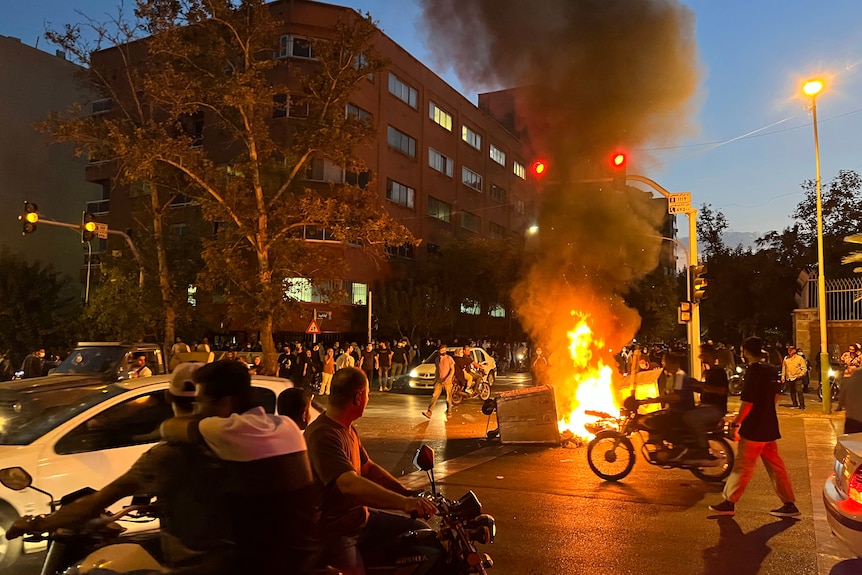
x: 27, y: 414
x: 92, y: 360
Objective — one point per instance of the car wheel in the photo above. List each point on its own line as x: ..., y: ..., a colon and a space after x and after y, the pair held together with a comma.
x: 9, y: 550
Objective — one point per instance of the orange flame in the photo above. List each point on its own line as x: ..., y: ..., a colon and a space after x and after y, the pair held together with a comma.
x: 590, y: 377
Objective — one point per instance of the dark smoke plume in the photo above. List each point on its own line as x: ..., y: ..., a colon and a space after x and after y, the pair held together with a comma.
x: 592, y: 76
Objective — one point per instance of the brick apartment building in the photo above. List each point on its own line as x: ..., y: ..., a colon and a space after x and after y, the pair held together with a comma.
x: 442, y: 167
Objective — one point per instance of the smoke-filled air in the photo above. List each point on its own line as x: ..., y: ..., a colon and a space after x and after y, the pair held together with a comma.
x: 589, y: 77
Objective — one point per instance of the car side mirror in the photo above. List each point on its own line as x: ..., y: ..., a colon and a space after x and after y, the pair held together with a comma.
x: 424, y: 458
x: 15, y: 478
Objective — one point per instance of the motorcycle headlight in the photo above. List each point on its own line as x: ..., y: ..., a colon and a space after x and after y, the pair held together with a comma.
x: 831, y: 373
x: 738, y: 369
x: 482, y: 529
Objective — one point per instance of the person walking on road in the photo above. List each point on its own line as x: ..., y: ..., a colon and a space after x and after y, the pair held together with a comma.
x: 793, y: 370
x: 368, y: 364
x: 756, y: 427
x: 445, y: 375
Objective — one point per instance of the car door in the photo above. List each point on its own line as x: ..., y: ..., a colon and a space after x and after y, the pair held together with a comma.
x: 95, y: 448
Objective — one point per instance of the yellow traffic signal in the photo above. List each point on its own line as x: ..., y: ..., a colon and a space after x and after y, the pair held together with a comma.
x: 29, y: 218
x: 88, y: 227
x: 698, y: 282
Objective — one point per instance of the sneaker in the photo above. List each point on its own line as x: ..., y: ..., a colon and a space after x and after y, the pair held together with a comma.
x: 724, y: 508
x: 427, y: 414
x: 786, y: 510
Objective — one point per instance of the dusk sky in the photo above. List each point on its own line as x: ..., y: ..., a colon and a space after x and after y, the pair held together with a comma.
x: 754, y: 144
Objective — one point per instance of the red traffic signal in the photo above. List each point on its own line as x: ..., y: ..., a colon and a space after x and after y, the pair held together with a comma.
x: 539, y: 168
x: 618, y: 160
x: 618, y: 170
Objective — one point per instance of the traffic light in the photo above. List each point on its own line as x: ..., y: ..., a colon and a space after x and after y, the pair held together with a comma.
x: 88, y: 227
x: 683, y: 312
x: 539, y: 168
x: 29, y: 218
x: 698, y: 282
x: 618, y: 170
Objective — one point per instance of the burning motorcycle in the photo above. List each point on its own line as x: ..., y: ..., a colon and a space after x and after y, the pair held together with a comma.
x: 481, y: 388
x: 611, y: 453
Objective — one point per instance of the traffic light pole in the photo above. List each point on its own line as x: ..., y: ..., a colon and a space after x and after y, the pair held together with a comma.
x: 124, y: 235
x: 694, y: 325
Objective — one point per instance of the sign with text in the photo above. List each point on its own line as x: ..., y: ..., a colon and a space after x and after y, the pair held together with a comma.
x: 679, y: 203
x: 101, y: 231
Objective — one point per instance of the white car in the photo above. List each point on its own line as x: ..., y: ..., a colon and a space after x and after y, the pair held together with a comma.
x: 73, y: 436
x: 842, y: 493
x: 422, y: 376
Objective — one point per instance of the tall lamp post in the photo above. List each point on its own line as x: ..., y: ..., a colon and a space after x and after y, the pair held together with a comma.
x: 811, y: 88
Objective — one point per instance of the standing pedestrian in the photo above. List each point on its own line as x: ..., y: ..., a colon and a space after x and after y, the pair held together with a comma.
x: 850, y: 399
x: 179, y: 346
x: 345, y: 359
x: 368, y: 364
x: 540, y: 368
x: 285, y: 362
x: 32, y: 365
x: 399, y: 360
x: 793, y: 369
x: 445, y: 373
x: 328, y: 371
x: 756, y: 426
x: 203, y: 346
x: 384, y: 366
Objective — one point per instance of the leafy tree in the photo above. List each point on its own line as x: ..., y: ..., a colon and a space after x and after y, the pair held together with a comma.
x: 417, y: 311
x: 120, y: 309
x: 38, y: 309
x: 654, y: 296
x: 194, y: 109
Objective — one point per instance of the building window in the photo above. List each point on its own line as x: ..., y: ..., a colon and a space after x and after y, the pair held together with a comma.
x: 297, y: 107
x: 432, y: 249
x: 102, y: 106
x: 497, y: 311
x: 360, y: 62
x: 498, y: 194
x: 399, y: 193
x: 519, y: 170
x: 322, y: 170
x: 179, y: 230
x: 440, y: 162
x: 498, y: 155
x: 403, y: 91
x: 470, y: 222
x: 439, y: 209
x: 298, y: 289
x: 192, y: 126
x: 439, y: 116
x: 279, y: 106
x: 358, y: 179
x: 518, y: 206
x: 354, y: 111
x: 471, y: 178
x: 470, y: 307
x: 472, y: 138
x: 403, y: 251
x: 294, y: 46
x: 496, y: 230
x: 401, y: 142
x: 358, y: 294
x: 191, y: 295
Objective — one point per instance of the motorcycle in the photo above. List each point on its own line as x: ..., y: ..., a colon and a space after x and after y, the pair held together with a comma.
x: 834, y: 385
x: 734, y: 379
x: 611, y: 454
x: 99, y: 543
x: 481, y: 388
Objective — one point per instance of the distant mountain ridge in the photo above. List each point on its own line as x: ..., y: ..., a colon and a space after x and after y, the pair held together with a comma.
x: 733, y: 239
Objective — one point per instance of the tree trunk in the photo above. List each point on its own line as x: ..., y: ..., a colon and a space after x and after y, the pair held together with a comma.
x: 164, y: 276
x: 270, y: 356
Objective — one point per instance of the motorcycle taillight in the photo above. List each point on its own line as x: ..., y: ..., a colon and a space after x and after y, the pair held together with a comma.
x: 854, y: 486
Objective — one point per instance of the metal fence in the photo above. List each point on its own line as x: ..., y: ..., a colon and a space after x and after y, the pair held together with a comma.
x: 843, y: 298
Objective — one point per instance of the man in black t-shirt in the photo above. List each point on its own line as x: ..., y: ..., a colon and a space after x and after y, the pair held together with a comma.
x: 757, y: 430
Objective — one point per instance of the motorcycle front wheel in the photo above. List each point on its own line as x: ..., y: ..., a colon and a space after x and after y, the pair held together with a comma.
x: 484, y: 391
x: 734, y: 385
x: 611, y: 455
x: 721, y: 449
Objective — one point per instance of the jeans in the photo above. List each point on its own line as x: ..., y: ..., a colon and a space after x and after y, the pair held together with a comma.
x: 382, y: 528
x: 746, y: 459
x: 398, y: 369
x: 383, y: 373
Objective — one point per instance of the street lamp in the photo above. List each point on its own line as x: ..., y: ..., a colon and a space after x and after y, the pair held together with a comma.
x: 812, y: 88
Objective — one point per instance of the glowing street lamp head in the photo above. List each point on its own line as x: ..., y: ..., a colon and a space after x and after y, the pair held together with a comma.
x: 812, y: 87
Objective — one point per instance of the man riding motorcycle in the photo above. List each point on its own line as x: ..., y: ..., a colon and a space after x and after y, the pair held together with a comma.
x: 195, y: 532
x: 676, y: 391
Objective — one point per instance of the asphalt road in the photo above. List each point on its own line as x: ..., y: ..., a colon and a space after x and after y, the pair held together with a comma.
x: 555, y: 517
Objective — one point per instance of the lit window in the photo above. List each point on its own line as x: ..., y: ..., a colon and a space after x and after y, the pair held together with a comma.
x: 403, y: 91
x: 498, y: 155
x: 298, y: 289
x: 440, y: 162
x: 191, y: 295
x: 470, y: 307
x: 399, y: 193
x: 401, y: 142
x: 519, y: 170
x: 472, y: 138
x: 440, y: 116
x: 497, y: 311
x: 471, y: 178
x: 294, y: 46
x: 470, y: 222
x: 439, y: 209
x: 358, y: 294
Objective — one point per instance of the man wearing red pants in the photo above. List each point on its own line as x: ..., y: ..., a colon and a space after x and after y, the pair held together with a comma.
x: 756, y: 427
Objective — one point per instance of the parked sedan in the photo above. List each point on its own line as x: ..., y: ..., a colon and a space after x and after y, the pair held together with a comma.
x: 842, y: 493
x: 69, y: 436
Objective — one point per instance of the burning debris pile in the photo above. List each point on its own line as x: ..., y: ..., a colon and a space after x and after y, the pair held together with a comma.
x: 591, y: 77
